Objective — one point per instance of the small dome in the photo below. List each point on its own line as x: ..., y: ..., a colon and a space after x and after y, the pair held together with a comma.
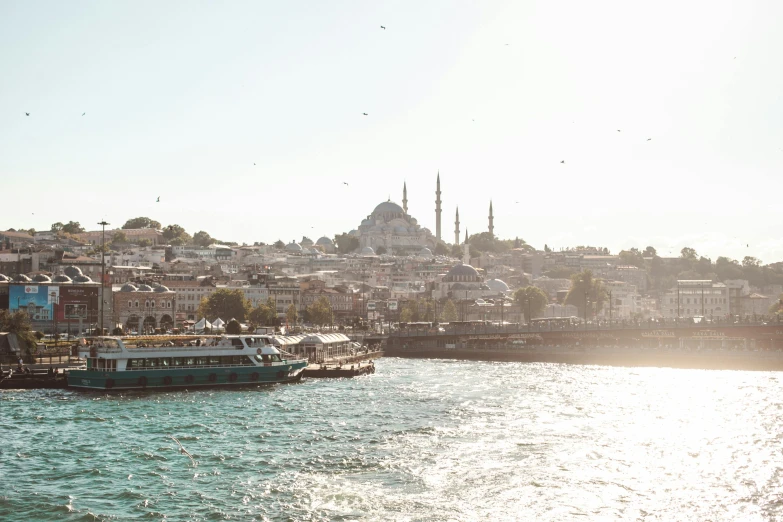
x: 127, y: 287
x: 72, y: 271
x: 425, y: 252
x: 463, y: 270
x: 306, y: 241
x: 62, y: 278
x: 400, y: 230
x: 4, y: 278
x: 293, y: 247
x: 161, y: 288
x: 42, y: 278
x: 21, y: 278
x: 367, y: 251
x: 82, y: 279
x: 324, y: 241
x: 496, y: 285
x: 354, y: 232
x: 145, y: 288
x: 387, y: 206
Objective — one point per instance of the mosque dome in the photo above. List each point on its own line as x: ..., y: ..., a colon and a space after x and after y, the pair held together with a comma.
x: 82, y: 279
x: 72, y: 271
x: 425, y: 252
x: 144, y: 288
x: 161, y: 289
x: 463, y: 270
x: 367, y: 251
x: 4, y: 278
x: 127, y: 287
x: 496, y: 285
x: 293, y: 247
x: 21, y: 278
x: 306, y: 241
x: 387, y: 207
x: 62, y: 278
x: 324, y: 241
x: 42, y: 278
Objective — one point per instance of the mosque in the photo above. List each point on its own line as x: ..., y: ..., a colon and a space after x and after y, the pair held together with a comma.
x: 391, y: 227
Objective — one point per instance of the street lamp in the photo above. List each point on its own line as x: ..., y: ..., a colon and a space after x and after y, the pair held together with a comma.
x: 103, y: 266
x: 55, y: 301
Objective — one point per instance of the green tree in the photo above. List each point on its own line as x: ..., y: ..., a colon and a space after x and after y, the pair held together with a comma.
x: 584, y: 287
x: 559, y: 272
x: 632, y: 257
x: 650, y: 252
x: 688, y: 253
x: 73, y: 227
x: 233, y: 327
x: 201, y: 238
x: 441, y: 249
x: 18, y: 323
x: 57, y: 227
x: 456, y: 251
x: 532, y: 300
x: 279, y: 244
x: 750, y: 261
x: 346, y: 243
x: 141, y: 222
x: 320, y: 312
x: 449, y: 312
x: 381, y: 250
x: 225, y: 303
x: 291, y: 315
x: 486, y: 242
x: 119, y: 237
x: 144, y: 242
x: 262, y: 315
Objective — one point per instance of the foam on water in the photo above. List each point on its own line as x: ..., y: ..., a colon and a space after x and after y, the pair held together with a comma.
x: 419, y: 440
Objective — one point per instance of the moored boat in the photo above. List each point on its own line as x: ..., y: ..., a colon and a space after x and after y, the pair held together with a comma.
x: 230, y: 360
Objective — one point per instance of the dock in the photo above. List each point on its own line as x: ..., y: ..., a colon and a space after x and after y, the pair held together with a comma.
x: 348, y: 366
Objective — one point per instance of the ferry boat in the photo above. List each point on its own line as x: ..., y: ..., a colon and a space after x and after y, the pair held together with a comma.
x: 231, y: 360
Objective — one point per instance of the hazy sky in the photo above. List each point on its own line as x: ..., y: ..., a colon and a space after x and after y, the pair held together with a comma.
x: 182, y: 98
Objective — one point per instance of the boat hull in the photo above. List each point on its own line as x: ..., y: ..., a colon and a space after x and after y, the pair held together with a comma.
x: 185, y: 377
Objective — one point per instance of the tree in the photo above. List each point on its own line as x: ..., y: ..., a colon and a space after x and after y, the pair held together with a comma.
x: 233, y: 327
x: 144, y: 242
x: 441, y: 249
x: 201, y: 238
x: 449, y: 312
x: 688, y: 253
x: 320, y: 312
x: 346, y: 243
x: 119, y: 237
x: 57, y: 227
x: 650, y: 252
x: 291, y: 315
x: 547, y: 249
x: 559, y: 272
x: 486, y: 242
x: 456, y: 251
x: 262, y: 315
x: 586, y: 290
x: 381, y: 250
x: 19, y: 323
x: 750, y: 261
x: 73, y: 227
x: 141, y: 222
x: 228, y: 303
x: 632, y: 257
x: 279, y: 244
x: 532, y: 301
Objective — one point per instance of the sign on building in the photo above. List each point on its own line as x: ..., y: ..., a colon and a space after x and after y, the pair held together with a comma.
x: 392, y: 305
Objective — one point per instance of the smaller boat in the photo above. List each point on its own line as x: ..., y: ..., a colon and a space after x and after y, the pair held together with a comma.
x: 230, y: 360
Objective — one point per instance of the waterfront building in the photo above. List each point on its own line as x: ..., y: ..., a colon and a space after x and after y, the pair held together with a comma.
x: 143, y: 308
x: 696, y: 298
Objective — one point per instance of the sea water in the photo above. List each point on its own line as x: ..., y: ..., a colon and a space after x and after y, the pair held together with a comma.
x: 419, y: 440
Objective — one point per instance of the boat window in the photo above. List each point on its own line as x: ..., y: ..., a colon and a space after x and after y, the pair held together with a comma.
x: 237, y: 342
x: 190, y: 361
x: 165, y: 362
x: 214, y: 361
x: 135, y: 363
x: 150, y: 363
x: 176, y: 361
x: 276, y: 357
x: 201, y: 361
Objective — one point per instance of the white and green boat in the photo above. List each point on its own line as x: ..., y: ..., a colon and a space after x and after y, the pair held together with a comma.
x: 230, y: 360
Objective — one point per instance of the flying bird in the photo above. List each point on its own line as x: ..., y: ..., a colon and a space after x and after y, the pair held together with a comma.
x: 649, y: 139
x: 84, y: 113
x: 618, y: 130
x: 562, y: 161
x: 157, y: 200
x: 364, y: 113
x: 183, y: 450
x: 344, y: 183
x: 383, y: 27
x: 27, y: 114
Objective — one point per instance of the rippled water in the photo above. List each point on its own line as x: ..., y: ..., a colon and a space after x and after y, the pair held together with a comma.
x: 419, y: 440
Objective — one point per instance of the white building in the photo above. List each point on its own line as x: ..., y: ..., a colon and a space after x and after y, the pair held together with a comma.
x: 696, y: 298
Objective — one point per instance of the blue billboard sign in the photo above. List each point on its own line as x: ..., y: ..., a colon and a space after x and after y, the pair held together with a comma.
x: 37, y: 300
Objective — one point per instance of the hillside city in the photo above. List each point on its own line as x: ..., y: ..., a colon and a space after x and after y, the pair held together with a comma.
x: 158, y: 278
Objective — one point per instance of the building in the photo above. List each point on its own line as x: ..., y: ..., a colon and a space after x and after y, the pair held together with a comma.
x: 696, y: 298
x: 134, y: 235
x: 461, y: 282
x: 144, y: 309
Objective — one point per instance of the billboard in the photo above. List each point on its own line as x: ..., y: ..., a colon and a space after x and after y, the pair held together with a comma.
x: 370, y: 305
x: 36, y: 300
x: 392, y: 305
x: 77, y: 302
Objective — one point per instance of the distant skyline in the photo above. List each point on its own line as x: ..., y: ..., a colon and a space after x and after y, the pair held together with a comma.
x: 247, y: 118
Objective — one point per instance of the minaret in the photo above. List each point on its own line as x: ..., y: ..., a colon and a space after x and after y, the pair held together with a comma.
x: 404, y: 197
x: 437, y: 210
x: 491, y: 219
x: 456, y: 229
x: 466, y: 236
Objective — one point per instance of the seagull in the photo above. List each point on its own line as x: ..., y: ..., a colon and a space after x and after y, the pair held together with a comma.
x: 618, y: 130
x: 563, y: 161
x: 183, y: 450
x: 344, y: 183
x: 364, y: 113
x: 383, y: 27
x: 253, y: 163
x: 157, y: 200
x: 84, y: 113
x: 27, y: 114
x: 649, y: 139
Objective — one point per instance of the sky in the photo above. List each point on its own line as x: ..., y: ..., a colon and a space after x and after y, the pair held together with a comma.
x: 609, y: 123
